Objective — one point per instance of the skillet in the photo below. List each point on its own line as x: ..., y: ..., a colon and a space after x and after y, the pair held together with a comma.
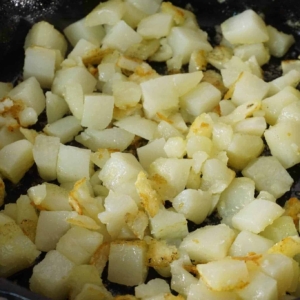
x: 16, y: 18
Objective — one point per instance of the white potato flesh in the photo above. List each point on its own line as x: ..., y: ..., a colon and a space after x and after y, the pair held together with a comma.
x: 73, y: 75
x: 168, y: 225
x: 260, y: 287
x: 222, y: 135
x: 239, y: 193
x: 121, y: 36
x: 97, y: 111
x: 139, y: 126
x: 27, y: 117
x: 155, y: 26
x: 290, y: 112
x: 216, y: 176
x: 50, y: 276
x: 166, y: 130
x: 74, y: 97
x: 15, y: 160
x: 284, y: 142
x: 175, y: 147
x: 51, y: 226
x: 77, y: 30
x: 195, y: 205
x: 29, y: 91
x: 184, y: 41
x: 5, y: 87
x: 208, y: 243
x: 249, y: 88
x: 111, y: 138
x: 245, y: 28
x: 279, y: 42
x: 92, y: 291
x: 109, y: 13
x: 152, y: 288
x: 169, y: 176
x: 82, y: 48
x: 8, y: 136
x: 150, y: 152
x: 225, y: 274
x: 247, y: 242
x: 45, y: 153
x: 269, y: 175
x: 56, y: 107
x: 149, y: 7
x: 65, y: 129
x: 43, y: 34
x: 127, y: 257
x: 40, y: 63
x: 259, y: 51
x: 203, y: 98
x: 73, y: 164
x: 252, y: 126
x: 265, y: 212
x: 79, y: 244
x: 288, y: 65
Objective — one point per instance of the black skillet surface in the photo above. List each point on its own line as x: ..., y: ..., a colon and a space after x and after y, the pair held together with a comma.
x: 16, y: 18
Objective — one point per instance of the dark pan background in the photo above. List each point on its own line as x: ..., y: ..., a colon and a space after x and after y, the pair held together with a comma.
x: 17, y: 16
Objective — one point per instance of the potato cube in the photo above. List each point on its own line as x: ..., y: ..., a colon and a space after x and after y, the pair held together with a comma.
x: 95, y: 292
x: 78, y: 244
x: 175, y: 147
x: 73, y: 163
x: 245, y: 28
x: 74, y: 97
x: 50, y: 276
x: 265, y: 213
x: 148, y: 7
x: 208, y: 243
x: 269, y: 175
x: 259, y: 51
x: 15, y: 160
x: 252, y: 126
x: 56, y: 107
x: 291, y: 112
x: 5, y: 87
x: 152, y: 288
x: 127, y: 257
x: 225, y: 274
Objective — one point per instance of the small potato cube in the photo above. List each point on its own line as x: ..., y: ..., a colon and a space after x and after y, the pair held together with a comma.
x: 95, y: 292
x: 56, y: 107
x: 74, y: 97
x: 265, y: 213
x: 225, y: 274
x: 51, y: 226
x: 222, y: 135
x: 252, y: 126
x: 259, y: 51
x: 175, y: 147
x: 290, y: 112
x: 195, y: 205
x: 40, y: 63
x: 27, y: 117
x: 168, y: 225
x: 155, y: 26
x: 50, y: 276
x: 208, y: 243
x: 279, y: 42
x: 152, y: 288
x: 245, y: 28
x: 97, y: 111
x: 121, y: 36
x: 127, y: 257
x: 8, y: 135
x: 126, y: 94
x: 247, y: 242
x: 5, y: 87
x: 29, y: 91
x: 78, y: 244
x: 73, y: 163
x: 82, y: 49
x: 269, y: 175
x: 45, y: 153
x: 15, y: 160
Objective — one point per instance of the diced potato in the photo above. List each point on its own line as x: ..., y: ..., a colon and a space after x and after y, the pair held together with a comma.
x: 168, y: 225
x: 97, y: 111
x: 45, y: 35
x: 269, y: 175
x: 27, y: 117
x: 94, y: 292
x: 138, y: 125
x: 259, y: 51
x: 225, y: 274
x: 73, y: 163
x: 284, y: 142
x: 8, y: 136
x: 291, y: 112
x: 195, y: 205
x: 51, y: 226
x: 149, y: 7
x: 74, y: 97
x: 208, y: 243
x: 82, y: 49
x: 50, y: 276
x: 252, y: 126
x: 290, y: 64
x: 219, y: 56
x: 265, y: 213
x: 245, y: 28
x: 221, y: 135
x: 10, y: 209
x: 5, y: 87
x: 15, y: 160
x: 29, y: 91
x: 247, y: 242
x: 17, y: 251
x: 152, y: 288
x: 127, y: 257
x: 133, y: 15
x: 78, y: 244
x: 106, y: 13
x: 175, y: 147
x: 166, y: 130
x: 239, y: 193
x: 279, y: 42
x: 45, y: 153
x: 77, y: 30
x: 56, y: 107
x: 280, y: 229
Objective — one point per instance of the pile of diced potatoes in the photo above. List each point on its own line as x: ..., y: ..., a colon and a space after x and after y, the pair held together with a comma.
x: 154, y: 152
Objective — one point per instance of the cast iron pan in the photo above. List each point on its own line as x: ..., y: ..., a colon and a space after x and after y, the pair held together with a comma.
x: 16, y: 18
